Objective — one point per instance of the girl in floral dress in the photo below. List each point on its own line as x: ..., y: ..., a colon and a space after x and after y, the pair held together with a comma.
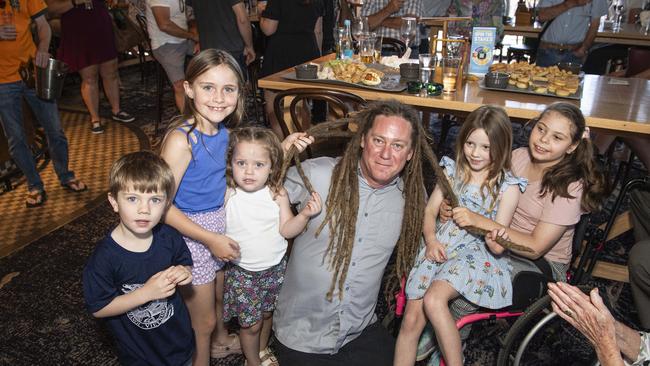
x: 454, y: 262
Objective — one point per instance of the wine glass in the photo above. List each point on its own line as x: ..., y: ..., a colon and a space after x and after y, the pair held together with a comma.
x: 408, y: 30
x: 358, y: 27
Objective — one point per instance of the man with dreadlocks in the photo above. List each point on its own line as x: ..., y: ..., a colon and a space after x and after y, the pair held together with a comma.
x: 375, y: 200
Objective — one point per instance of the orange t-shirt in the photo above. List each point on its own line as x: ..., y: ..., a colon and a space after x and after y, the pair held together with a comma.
x: 13, y: 53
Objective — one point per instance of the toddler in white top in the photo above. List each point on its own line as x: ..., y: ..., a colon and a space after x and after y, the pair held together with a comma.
x: 259, y: 219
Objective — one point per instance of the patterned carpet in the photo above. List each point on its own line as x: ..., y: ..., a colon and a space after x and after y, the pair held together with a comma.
x: 90, y: 158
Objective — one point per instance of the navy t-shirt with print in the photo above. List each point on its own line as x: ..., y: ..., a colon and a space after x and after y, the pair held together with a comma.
x: 158, y: 332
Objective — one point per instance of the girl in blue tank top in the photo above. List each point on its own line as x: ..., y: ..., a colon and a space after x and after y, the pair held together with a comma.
x: 195, y: 149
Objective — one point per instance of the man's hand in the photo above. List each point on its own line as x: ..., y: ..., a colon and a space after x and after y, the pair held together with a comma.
x: 581, y: 53
x: 589, y: 315
x: 313, y: 206
x: 249, y: 55
x: 395, y: 5
x: 41, y: 59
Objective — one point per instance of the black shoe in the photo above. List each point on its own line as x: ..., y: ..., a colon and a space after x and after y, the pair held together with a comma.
x: 123, y: 117
x: 97, y: 128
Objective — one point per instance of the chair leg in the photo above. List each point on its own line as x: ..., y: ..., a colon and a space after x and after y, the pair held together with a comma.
x: 160, y: 75
x: 444, y: 131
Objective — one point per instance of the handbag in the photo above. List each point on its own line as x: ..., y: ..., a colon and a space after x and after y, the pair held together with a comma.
x: 127, y: 33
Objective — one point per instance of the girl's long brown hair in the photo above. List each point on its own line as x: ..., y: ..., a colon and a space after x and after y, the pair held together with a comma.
x: 267, y: 139
x: 578, y: 166
x: 496, y: 124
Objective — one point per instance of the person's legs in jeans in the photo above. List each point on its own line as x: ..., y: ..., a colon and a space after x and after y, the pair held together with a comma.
x: 47, y: 114
x: 11, y: 116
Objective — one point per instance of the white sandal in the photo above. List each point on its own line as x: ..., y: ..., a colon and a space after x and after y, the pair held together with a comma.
x: 268, y: 358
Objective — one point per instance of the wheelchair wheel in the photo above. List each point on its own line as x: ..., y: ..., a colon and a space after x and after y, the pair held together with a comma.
x: 540, y: 337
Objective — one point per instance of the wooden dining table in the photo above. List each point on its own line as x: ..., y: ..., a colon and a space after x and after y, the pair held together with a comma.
x: 607, y: 104
x: 629, y: 34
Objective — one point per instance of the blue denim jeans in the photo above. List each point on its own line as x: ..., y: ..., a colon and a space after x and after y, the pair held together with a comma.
x: 47, y: 114
x: 550, y: 56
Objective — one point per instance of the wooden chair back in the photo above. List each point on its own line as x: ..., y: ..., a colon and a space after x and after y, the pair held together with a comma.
x: 393, y: 45
x: 638, y: 60
x: 339, y: 104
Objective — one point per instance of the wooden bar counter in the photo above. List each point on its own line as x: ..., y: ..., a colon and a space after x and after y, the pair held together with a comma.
x: 618, y: 109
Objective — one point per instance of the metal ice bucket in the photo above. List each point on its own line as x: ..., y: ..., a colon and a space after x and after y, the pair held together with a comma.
x: 49, y: 80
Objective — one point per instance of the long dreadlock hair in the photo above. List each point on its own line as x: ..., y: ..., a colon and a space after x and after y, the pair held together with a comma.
x: 343, y: 198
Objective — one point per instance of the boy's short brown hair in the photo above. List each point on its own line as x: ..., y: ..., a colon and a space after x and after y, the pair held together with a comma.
x: 144, y: 171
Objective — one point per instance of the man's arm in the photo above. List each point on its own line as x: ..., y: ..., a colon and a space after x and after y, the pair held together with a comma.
x: 58, y: 7
x: 383, y: 16
x: 552, y: 12
x: 244, y: 26
x: 44, y: 37
x: 165, y: 24
x: 589, y: 39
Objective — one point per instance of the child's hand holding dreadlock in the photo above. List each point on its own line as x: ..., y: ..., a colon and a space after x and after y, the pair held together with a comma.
x: 298, y: 139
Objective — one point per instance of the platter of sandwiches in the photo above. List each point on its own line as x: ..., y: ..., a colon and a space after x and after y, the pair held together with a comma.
x: 352, y: 72
x: 532, y: 79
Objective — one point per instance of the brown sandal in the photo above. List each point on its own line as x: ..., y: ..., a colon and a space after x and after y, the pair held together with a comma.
x: 74, y: 185
x: 35, y: 198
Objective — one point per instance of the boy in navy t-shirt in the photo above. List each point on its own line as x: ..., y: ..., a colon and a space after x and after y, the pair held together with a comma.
x: 132, y: 277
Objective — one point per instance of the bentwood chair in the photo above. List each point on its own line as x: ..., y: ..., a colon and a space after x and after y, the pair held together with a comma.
x: 339, y: 104
x: 392, y: 45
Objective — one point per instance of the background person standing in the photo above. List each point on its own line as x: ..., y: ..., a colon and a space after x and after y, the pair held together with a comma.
x: 17, y: 47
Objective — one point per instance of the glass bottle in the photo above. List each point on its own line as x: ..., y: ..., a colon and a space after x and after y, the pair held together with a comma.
x: 346, y: 42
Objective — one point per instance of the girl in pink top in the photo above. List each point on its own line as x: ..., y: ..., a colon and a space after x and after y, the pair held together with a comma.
x: 562, y: 184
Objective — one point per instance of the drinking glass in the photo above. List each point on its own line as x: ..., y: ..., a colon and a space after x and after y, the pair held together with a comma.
x: 339, y: 32
x: 449, y: 73
x: 378, y: 41
x: 644, y: 17
x: 367, y: 48
x: 359, y: 26
x: 427, y: 67
x: 408, y: 30
x: 453, y: 48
